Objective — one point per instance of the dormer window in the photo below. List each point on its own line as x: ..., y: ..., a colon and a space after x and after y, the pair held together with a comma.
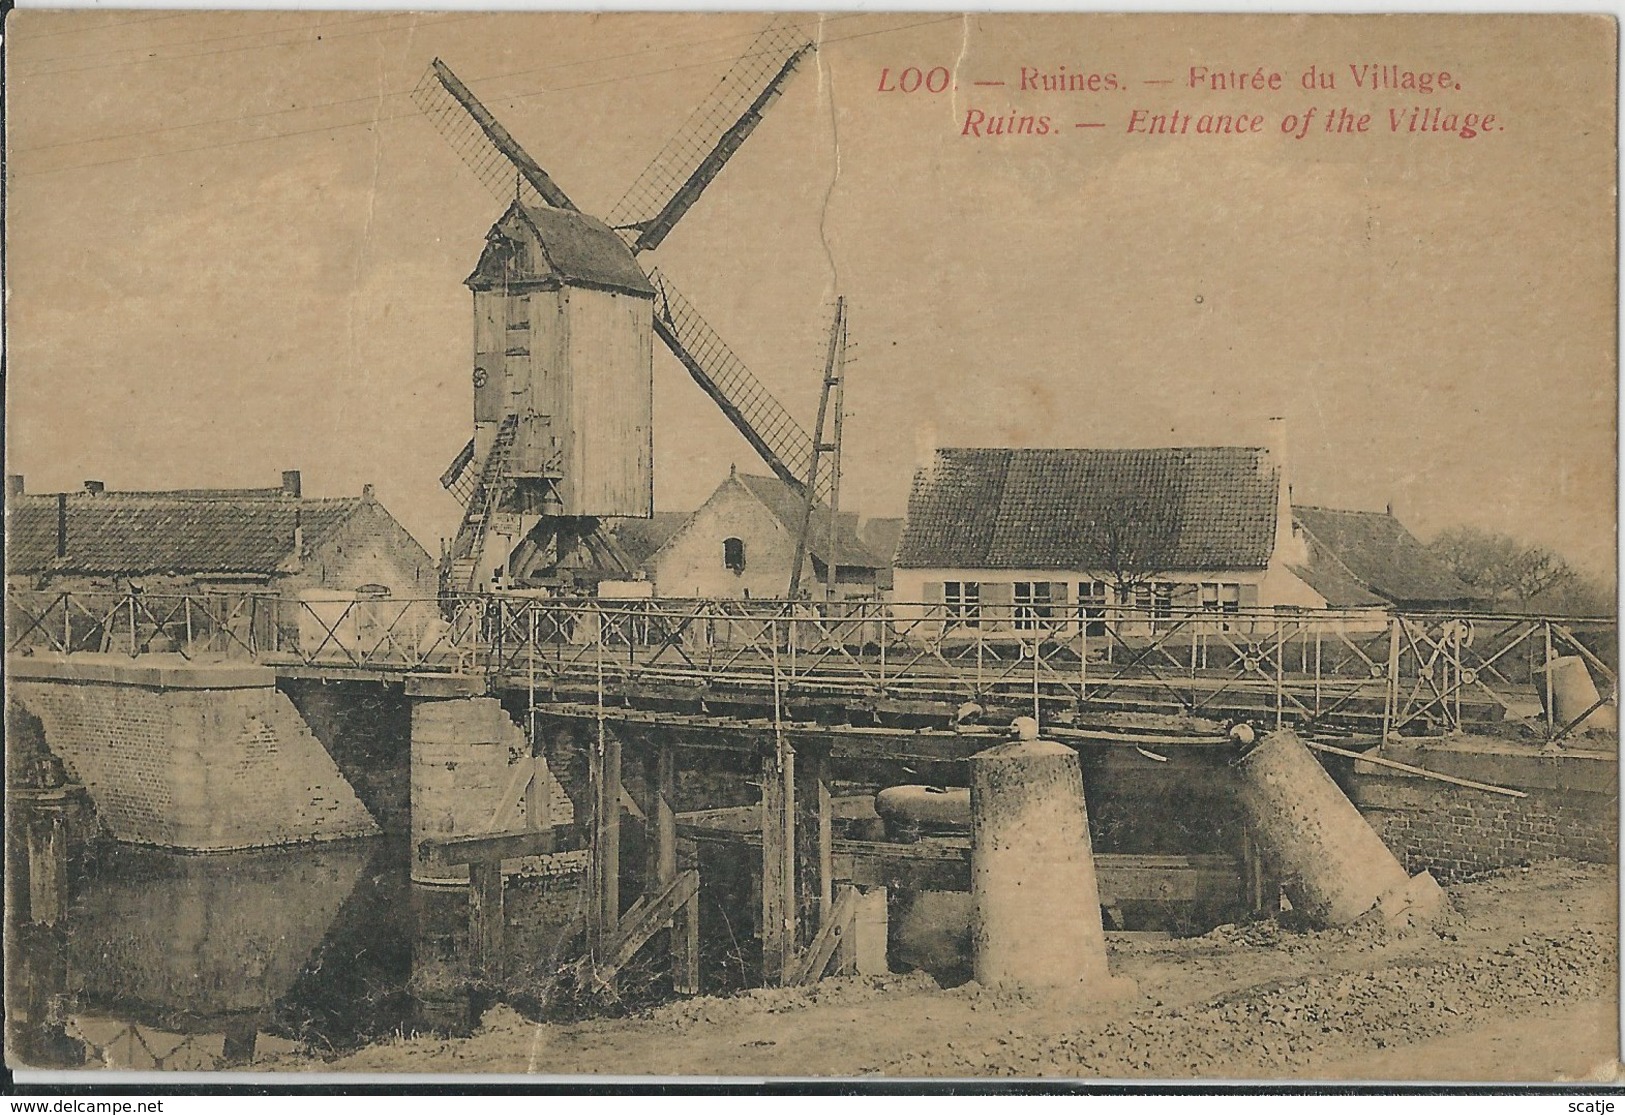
x: 733, y: 554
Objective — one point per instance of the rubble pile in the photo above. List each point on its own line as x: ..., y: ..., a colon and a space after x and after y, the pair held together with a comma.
x: 1289, y: 1025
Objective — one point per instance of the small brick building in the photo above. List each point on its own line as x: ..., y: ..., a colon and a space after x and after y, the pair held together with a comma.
x: 269, y: 540
x: 741, y: 543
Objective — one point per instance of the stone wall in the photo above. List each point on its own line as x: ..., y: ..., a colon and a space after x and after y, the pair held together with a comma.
x: 466, y: 758
x: 367, y: 728
x: 1571, y: 811
x: 196, y: 769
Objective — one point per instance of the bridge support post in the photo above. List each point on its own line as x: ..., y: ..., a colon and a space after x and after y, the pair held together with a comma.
x: 815, y: 869
x: 461, y: 754
x: 1332, y: 864
x: 1036, y: 902
x: 661, y: 777
x: 778, y: 863
x: 604, y: 901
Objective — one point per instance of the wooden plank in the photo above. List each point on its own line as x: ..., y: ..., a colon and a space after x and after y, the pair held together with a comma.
x: 485, y: 916
x: 609, y: 828
x: 748, y: 818
x: 647, y: 916
x: 539, y: 792
x: 660, y: 775
x: 520, y: 777
x: 835, y: 927
x: 492, y: 847
x: 814, y: 831
x: 685, y: 947
x: 778, y: 864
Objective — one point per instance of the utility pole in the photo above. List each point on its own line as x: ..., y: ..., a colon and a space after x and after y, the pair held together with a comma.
x: 832, y: 364
x: 839, y: 385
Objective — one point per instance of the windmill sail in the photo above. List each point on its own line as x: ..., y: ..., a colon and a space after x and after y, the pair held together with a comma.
x: 691, y: 159
x: 666, y: 189
x: 491, y: 153
x: 755, y: 413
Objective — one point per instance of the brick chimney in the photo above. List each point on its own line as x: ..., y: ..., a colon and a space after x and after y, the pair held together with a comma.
x: 290, y: 483
x: 1289, y: 544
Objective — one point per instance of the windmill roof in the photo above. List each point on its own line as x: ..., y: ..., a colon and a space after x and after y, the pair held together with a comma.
x: 1200, y: 508
x: 1375, y: 552
x: 565, y: 247
x: 787, y: 506
x: 139, y: 533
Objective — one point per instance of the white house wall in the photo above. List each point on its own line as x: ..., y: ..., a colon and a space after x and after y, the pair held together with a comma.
x: 690, y: 563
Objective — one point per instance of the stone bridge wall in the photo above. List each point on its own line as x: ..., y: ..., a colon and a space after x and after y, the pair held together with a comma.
x: 197, y: 759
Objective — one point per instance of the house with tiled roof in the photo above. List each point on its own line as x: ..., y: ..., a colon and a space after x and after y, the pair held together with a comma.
x: 1023, y: 538
x: 741, y: 544
x: 1358, y: 559
x: 261, y: 540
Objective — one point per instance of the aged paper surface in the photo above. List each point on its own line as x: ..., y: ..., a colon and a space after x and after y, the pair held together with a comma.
x: 1317, y: 314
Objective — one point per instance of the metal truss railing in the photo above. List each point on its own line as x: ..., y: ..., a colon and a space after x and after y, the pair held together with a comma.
x: 1380, y: 671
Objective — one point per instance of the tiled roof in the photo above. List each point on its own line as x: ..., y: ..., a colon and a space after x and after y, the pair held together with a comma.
x: 881, y: 535
x: 131, y: 534
x: 1333, y: 580
x: 574, y: 248
x: 640, y: 538
x: 787, y: 506
x: 1380, y: 555
x: 1201, y: 508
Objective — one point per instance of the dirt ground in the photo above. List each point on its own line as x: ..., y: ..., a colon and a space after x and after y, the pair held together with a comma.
x: 1520, y: 983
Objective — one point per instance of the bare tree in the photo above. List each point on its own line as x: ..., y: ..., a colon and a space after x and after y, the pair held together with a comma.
x: 1135, y: 537
x: 1500, y: 564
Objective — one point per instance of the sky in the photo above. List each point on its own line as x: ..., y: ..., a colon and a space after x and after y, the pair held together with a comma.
x: 235, y: 247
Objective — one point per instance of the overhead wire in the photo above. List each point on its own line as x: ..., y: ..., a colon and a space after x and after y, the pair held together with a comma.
x: 375, y: 120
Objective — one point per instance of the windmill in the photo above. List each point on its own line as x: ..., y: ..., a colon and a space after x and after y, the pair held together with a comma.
x: 564, y: 321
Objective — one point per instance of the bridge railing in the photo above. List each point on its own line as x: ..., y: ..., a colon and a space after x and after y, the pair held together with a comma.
x: 1404, y: 671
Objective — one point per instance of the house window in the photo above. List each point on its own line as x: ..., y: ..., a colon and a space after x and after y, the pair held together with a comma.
x: 1221, y: 598
x: 1162, y: 600
x: 962, y: 602
x: 1153, y: 601
x: 1092, y: 596
x: 1032, y: 600
x: 733, y: 554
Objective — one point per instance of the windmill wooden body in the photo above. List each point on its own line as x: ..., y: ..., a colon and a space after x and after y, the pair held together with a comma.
x: 565, y: 318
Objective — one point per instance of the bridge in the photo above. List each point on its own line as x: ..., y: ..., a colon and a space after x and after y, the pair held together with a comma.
x: 538, y: 724
x: 1365, y: 672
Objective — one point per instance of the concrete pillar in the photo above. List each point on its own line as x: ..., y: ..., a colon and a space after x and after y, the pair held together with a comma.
x: 47, y: 843
x: 1333, y: 866
x: 461, y: 754
x: 1036, y: 908
x: 1574, y: 695
x: 863, y: 951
